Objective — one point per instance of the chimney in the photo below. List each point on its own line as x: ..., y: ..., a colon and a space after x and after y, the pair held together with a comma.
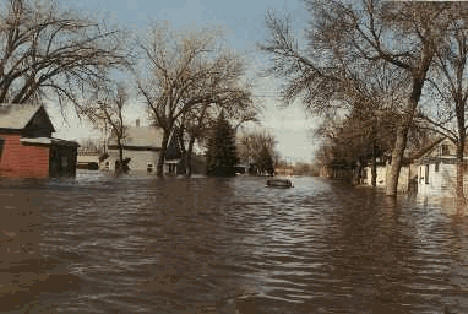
x: 137, y: 123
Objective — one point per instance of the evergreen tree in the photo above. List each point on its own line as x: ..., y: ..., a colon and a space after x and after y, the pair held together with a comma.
x: 221, y: 155
x: 265, y: 162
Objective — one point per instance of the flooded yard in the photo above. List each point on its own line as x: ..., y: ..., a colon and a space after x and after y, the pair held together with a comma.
x: 147, y: 245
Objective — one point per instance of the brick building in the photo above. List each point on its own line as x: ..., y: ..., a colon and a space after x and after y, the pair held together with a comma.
x: 27, y: 148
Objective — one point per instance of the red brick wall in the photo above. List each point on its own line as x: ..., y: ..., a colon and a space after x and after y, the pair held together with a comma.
x: 23, y: 161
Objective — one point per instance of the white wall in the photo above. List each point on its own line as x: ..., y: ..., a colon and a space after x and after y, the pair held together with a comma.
x: 442, y: 182
x: 83, y: 159
x: 138, y: 159
x: 384, y: 171
x: 381, y: 176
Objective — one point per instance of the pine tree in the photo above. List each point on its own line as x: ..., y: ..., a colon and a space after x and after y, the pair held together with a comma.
x: 265, y: 162
x: 221, y: 155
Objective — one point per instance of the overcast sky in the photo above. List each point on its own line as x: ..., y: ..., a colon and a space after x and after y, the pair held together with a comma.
x: 243, y: 24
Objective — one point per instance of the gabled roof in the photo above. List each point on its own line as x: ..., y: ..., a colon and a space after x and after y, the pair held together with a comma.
x: 140, y: 137
x: 16, y: 116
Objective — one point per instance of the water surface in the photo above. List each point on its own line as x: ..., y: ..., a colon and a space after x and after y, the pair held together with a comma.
x: 143, y: 245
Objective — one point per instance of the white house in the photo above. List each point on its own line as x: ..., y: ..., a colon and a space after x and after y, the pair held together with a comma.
x: 142, y: 144
x: 384, y: 171
x: 437, y: 171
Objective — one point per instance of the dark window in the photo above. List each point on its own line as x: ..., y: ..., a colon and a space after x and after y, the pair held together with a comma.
x: 445, y: 150
x: 437, y: 167
x: 426, y: 175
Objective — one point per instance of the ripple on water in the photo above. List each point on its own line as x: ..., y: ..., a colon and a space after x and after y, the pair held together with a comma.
x: 226, y: 245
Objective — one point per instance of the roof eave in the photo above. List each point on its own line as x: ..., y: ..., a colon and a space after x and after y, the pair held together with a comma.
x: 8, y: 130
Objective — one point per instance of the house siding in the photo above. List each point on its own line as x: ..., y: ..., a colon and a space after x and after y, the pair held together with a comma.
x: 23, y: 161
x: 138, y: 159
x: 385, y: 171
x: 381, y: 176
x: 442, y: 182
x: 337, y: 172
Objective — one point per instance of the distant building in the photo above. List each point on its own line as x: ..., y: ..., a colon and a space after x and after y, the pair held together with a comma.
x: 437, y: 170
x: 142, y: 144
x: 337, y: 170
x: 27, y: 148
x: 89, y: 155
x: 411, y: 172
x: 384, y: 170
x: 284, y: 171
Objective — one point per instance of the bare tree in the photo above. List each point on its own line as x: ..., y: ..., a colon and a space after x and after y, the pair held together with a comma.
x: 252, y: 143
x: 47, y: 49
x: 448, y: 85
x: 107, y: 109
x: 188, y: 73
x: 346, y: 36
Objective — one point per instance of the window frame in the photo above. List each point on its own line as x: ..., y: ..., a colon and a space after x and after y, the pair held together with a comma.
x: 149, y: 167
x: 444, y: 150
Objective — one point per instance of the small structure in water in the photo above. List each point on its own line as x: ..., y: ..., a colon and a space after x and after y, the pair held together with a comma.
x: 279, y: 183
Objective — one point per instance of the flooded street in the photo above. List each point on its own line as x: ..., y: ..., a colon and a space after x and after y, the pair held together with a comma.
x: 98, y: 245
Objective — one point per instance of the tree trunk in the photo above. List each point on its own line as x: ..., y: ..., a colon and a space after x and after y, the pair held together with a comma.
x: 373, y: 166
x: 188, y: 160
x: 373, y: 155
x: 183, y: 153
x: 460, y: 110
x: 397, y: 160
x: 460, y: 153
x: 119, y: 143
x: 460, y: 195
x: 162, y: 153
x: 359, y: 172
x: 402, y: 135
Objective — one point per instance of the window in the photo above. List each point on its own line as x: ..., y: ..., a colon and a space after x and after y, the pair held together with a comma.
x: 445, y: 150
x: 149, y: 168
x: 106, y: 165
x: 437, y: 167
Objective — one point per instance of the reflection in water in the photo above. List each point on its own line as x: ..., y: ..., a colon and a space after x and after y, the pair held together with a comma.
x: 225, y: 246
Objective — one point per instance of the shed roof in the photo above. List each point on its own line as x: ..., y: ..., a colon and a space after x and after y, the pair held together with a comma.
x: 16, y: 116
x: 140, y: 137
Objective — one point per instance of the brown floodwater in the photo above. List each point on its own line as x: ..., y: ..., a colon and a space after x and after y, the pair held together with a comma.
x: 147, y: 245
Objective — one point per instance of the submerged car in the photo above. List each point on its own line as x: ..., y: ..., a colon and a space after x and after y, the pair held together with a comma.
x: 279, y: 183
